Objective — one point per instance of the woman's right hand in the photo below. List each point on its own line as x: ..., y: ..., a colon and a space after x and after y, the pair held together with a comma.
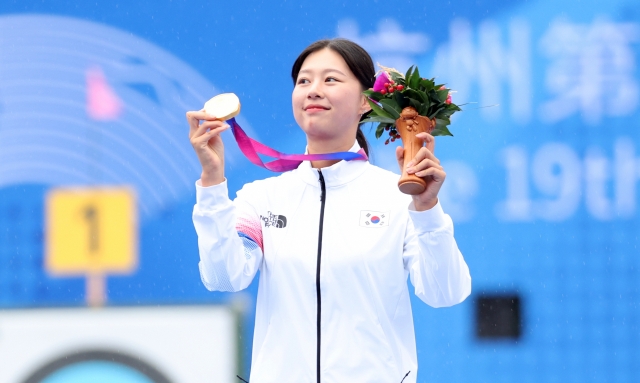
x: 206, y: 141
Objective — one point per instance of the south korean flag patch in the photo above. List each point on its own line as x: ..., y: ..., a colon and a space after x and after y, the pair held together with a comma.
x: 370, y: 218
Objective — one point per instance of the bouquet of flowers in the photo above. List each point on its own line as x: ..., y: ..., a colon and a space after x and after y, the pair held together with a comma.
x: 393, y: 92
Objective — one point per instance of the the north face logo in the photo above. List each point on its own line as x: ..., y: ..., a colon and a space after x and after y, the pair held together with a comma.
x: 274, y: 220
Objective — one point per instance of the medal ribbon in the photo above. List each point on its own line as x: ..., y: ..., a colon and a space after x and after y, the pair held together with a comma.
x: 285, y: 162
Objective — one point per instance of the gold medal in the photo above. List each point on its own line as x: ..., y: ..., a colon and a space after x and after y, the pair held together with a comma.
x: 223, y: 106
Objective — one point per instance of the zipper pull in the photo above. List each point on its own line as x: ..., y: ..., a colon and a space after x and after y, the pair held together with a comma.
x: 323, y: 189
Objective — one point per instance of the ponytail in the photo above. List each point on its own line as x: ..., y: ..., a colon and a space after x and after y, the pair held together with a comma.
x: 362, y: 140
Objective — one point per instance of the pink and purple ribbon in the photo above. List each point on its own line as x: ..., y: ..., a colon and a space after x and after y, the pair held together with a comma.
x: 285, y: 162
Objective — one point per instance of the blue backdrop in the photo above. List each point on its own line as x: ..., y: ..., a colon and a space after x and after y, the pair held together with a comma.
x: 543, y: 170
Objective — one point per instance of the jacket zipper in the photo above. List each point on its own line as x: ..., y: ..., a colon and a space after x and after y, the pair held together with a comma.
x: 323, y: 192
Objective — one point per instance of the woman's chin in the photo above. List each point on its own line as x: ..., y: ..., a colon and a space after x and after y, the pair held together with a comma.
x: 317, y: 129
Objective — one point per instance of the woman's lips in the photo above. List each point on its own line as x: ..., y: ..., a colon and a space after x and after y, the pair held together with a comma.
x: 315, y: 108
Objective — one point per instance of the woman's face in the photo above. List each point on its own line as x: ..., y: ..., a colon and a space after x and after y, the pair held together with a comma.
x: 327, y: 99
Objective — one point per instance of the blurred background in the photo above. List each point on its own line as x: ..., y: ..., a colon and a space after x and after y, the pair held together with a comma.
x: 98, y: 255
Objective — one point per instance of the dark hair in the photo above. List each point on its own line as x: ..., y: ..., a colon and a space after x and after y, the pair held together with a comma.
x: 358, y: 61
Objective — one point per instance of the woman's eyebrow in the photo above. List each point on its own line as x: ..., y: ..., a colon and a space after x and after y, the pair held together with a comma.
x: 324, y: 71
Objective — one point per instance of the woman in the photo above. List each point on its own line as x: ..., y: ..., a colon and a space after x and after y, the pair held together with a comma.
x: 334, y: 240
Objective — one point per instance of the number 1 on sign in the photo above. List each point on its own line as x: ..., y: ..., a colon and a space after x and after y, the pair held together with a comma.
x: 90, y: 214
x: 96, y: 279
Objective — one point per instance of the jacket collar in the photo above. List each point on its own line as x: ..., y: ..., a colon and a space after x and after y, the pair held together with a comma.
x: 335, y: 175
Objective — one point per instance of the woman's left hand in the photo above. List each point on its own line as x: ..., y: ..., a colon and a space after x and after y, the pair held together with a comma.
x: 427, y: 166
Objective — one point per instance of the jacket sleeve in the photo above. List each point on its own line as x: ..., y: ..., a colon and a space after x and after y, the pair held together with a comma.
x: 229, y: 238
x: 431, y: 256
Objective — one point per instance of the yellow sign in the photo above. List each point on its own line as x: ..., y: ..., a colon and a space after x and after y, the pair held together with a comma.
x: 91, y: 231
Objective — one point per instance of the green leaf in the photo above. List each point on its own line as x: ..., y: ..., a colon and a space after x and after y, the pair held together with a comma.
x: 424, y: 110
x: 408, y: 75
x: 392, y: 107
x: 441, y: 128
x: 379, y: 130
x: 401, y: 100
x: 433, y: 97
x: 434, y: 113
x: 386, y: 120
x: 414, y: 82
x: 396, y: 76
x: 424, y: 97
x: 374, y: 95
x: 378, y: 110
x: 427, y: 84
x: 453, y: 107
x: 441, y: 131
x: 415, y: 94
x: 442, y: 122
x: 415, y: 103
x: 442, y: 94
x: 445, y: 113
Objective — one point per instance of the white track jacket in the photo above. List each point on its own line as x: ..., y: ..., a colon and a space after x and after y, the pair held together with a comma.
x: 334, y: 249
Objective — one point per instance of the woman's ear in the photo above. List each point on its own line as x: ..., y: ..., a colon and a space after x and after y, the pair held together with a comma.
x: 365, y: 107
